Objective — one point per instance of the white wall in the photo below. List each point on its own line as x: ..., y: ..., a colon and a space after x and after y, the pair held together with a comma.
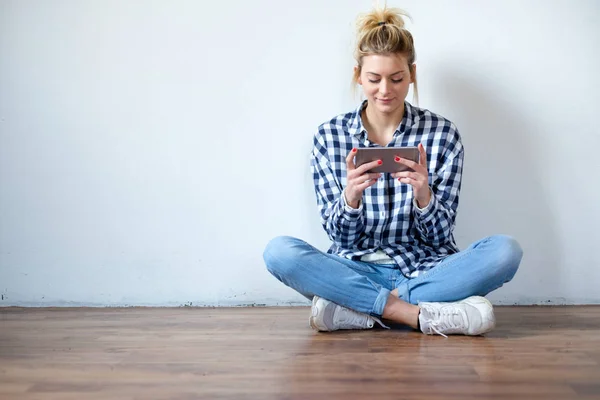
x: 150, y: 149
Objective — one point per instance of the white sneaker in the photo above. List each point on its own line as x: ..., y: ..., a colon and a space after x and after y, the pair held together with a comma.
x: 471, y: 316
x: 327, y: 316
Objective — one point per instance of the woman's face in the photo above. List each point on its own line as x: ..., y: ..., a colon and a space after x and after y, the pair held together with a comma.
x: 385, y: 80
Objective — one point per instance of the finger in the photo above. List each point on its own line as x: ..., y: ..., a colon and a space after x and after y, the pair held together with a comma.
x: 408, y: 163
x: 408, y: 181
x: 366, y: 184
x: 371, y: 175
x: 409, y: 174
x: 416, y: 185
x: 368, y: 166
x: 423, y: 155
x: 366, y: 177
x: 350, y: 160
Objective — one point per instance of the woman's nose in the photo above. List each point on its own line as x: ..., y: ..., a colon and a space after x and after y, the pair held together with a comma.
x: 383, y: 87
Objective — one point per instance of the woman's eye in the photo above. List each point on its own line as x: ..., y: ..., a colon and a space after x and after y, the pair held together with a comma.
x: 393, y: 81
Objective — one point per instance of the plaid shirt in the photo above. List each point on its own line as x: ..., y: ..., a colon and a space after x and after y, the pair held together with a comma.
x: 388, y: 218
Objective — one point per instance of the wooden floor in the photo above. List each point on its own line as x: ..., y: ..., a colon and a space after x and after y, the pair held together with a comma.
x: 271, y: 353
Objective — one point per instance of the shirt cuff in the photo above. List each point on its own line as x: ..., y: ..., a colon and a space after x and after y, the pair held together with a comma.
x: 349, y: 209
x: 428, y: 206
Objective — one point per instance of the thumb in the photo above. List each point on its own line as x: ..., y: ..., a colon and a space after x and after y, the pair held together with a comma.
x: 422, y: 155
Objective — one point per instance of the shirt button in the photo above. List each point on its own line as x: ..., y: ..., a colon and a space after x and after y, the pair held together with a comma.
x: 382, y: 214
x: 377, y: 242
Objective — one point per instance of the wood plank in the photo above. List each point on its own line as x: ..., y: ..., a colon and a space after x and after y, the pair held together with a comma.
x: 271, y: 353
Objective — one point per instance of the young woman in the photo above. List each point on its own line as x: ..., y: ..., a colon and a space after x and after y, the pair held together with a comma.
x: 393, y: 255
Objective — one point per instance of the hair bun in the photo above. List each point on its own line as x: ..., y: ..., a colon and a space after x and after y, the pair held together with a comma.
x: 381, y: 17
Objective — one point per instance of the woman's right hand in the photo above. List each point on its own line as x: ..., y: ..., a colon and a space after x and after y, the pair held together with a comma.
x: 359, y: 179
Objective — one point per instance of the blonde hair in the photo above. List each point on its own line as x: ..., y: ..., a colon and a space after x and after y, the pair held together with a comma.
x: 382, y: 32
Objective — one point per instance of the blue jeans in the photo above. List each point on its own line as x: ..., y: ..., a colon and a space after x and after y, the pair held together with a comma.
x: 365, y: 287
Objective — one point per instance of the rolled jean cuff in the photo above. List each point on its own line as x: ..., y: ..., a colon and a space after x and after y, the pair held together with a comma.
x: 380, y: 303
x: 403, y: 292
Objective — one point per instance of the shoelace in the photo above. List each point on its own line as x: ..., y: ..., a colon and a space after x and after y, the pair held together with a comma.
x: 443, y: 318
x: 351, y: 319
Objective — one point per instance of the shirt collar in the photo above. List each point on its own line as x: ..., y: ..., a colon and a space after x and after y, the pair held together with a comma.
x: 356, y: 127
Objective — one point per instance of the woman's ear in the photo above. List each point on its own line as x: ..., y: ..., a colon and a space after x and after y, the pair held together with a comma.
x: 413, y: 73
x: 357, y: 74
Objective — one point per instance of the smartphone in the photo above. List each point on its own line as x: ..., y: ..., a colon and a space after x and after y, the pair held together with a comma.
x: 387, y: 155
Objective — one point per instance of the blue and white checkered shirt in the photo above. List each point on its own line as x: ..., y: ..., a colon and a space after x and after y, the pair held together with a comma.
x: 388, y: 218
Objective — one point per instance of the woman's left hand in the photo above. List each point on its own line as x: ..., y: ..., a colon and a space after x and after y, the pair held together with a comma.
x: 418, y: 179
